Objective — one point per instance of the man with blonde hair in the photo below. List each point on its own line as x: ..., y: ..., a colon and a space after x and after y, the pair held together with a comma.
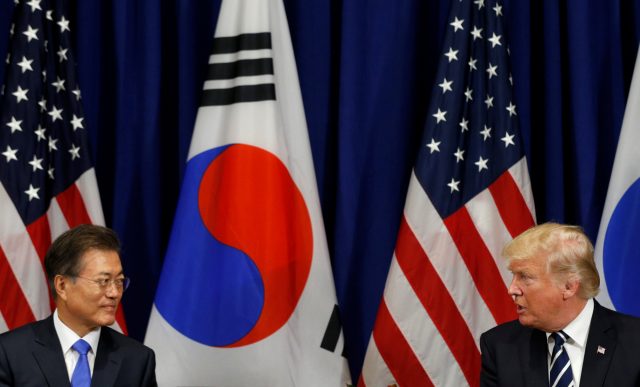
x: 562, y: 336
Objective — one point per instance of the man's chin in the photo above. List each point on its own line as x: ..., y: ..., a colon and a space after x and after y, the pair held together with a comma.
x: 530, y: 323
x: 107, y: 319
x: 525, y: 321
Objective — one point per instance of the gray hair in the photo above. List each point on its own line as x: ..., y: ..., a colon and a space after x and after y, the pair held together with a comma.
x: 63, y: 256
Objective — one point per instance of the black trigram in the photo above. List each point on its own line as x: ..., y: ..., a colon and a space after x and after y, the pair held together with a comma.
x: 240, y: 70
x: 332, y: 333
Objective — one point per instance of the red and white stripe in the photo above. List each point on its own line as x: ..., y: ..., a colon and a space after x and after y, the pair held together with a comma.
x: 447, y: 284
x: 23, y: 284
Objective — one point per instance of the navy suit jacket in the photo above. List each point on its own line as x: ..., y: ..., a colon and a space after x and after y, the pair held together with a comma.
x: 32, y: 356
x: 514, y: 355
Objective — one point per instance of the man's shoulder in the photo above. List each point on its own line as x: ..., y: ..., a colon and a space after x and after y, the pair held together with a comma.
x: 22, y: 340
x: 124, y: 341
x: 26, y: 330
x: 508, y: 331
x: 619, y: 319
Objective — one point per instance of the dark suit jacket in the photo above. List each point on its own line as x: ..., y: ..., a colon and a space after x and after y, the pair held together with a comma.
x: 513, y: 355
x: 32, y: 356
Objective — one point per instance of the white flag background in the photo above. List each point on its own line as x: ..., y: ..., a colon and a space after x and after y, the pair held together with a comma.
x: 617, y: 254
x: 259, y: 112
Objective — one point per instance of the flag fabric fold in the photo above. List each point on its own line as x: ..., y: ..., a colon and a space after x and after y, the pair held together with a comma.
x: 48, y: 183
x: 616, y: 252
x: 469, y: 194
x: 246, y: 294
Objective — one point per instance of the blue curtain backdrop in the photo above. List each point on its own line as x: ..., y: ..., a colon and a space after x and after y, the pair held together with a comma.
x: 366, y: 70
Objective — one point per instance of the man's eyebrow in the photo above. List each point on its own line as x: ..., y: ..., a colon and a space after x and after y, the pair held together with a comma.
x: 108, y: 273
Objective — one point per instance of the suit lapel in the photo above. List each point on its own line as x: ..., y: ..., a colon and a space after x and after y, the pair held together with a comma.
x: 48, y: 354
x: 601, y: 345
x: 535, y: 354
x: 108, y: 360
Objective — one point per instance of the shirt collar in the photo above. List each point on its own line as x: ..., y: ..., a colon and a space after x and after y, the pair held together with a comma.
x: 578, y: 329
x: 68, y: 337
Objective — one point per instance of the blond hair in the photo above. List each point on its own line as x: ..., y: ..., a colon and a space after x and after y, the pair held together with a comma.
x: 568, y: 252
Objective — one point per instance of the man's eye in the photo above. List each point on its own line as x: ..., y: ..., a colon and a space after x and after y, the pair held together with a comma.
x: 524, y: 276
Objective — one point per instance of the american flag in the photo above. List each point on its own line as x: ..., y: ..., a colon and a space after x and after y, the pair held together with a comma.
x: 469, y: 194
x: 48, y: 183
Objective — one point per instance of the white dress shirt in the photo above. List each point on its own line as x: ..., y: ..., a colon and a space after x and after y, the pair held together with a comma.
x: 68, y: 337
x: 578, y: 330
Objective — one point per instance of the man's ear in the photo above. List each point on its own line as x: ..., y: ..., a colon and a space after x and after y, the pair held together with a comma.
x: 61, y: 283
x: 570, y: 288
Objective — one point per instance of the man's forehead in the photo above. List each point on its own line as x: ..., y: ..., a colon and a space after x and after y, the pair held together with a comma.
x: 521, y: 264
x: 100, y: 260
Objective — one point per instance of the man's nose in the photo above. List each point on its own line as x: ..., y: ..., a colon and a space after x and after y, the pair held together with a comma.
x: 112, y: 291
x: 514, y: 289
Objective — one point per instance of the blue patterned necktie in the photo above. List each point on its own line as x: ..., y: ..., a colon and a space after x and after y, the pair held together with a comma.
x: 81, y: 374
x: 560, y: 374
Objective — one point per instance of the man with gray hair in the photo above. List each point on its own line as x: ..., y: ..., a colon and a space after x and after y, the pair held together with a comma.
x: 562, y: 336
x: 75, y: 346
